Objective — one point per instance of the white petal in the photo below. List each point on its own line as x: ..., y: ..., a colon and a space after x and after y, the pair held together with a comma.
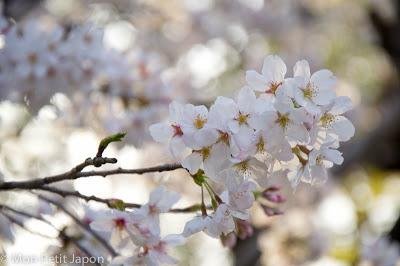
x: 297, y: 132
x: 177, y: 148
x: 299, y: 96
x: 156, y: 195
x: 256, y: 81
x: 302, y: 69
x: 323, y: 97
x: 193, y: 162
x: 175, y: 111
x: 161, y: 132
x: 105, y: 225
x: 334, y: 156
x: 343, y: 128
x: 274, y: 68
x: 194, y: 226
x: 323, y: 80
x: 319, y: 174
x: 341, y: 105
x: 206, y: 137
x: 174, y: 240
x: 246, y: 100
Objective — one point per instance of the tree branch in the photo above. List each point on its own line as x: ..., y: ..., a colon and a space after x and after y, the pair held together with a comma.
x: 84, y: 226
x: 61, y: 235
x: 110, y: 202
x: 76, y: 173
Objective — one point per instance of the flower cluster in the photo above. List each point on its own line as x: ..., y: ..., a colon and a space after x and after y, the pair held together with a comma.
x: 40, y: 59
x: 276, y: 127
x: 140, y: 230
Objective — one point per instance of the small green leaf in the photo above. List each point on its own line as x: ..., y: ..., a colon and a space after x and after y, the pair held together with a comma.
x: 117, y: 204
x: 104, y: 142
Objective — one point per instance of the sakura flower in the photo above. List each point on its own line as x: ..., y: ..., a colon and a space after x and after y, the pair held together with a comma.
x: 315, y: 171
x: 224, y: 220
x: 211, y: 159
x: 312, y: 91
x: 198, y: 224
x: 171, y: 131
x: 334, y: 122
x: 160, y: 201
x: 152, y: 254
x: 272, y: 144
x: 286, y: 121
x: 194, y: 119
x: 117, y: 224
x: 239, y: 194
x: 244, y: 112
x: 271, y: 77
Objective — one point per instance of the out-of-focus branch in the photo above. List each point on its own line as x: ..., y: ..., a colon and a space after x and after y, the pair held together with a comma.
x: 61, y: 233
x: 110, y: 202
x: 84, y: 226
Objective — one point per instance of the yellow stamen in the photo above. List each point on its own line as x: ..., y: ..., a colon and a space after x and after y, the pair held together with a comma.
x: 199, y: 122
x: 327, y: 119
x: 283, y: 120
x: 205, y: 152
x: 242, y: 119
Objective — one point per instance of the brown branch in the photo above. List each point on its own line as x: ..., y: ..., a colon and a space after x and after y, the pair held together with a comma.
x: 110, y: 202
x: 76, y: 173
x: 84, y: 226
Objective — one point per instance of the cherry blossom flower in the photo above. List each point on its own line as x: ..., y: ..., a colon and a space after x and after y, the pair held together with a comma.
x: 172, y: 131
x: 152, y: 254
x: 160, y: 201
x: 312, y: 91
x: 117, y: 223
x: 271, y: 77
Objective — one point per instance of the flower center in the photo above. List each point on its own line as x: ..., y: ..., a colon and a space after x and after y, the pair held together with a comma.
x: 273, y: 86
x: 177, y: 130
x: 260, y: 145
x: 308, y: 91
x: 242, y: 118
x: 120, y: 223
x: 199, y: 122
x: 242, y: 166
x: 205, y: 152
x: 327, y: 119
x: 224, y: 137
x: 283, y: 120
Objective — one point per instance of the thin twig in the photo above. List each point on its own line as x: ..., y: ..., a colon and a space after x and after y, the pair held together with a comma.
x: 84, y: 226
x: 76, y: 173
x: 61, y: 233
x: 110, y: 202
x: 21, y: 224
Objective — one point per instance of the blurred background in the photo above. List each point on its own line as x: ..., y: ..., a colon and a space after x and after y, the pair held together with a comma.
x: 192, y: 51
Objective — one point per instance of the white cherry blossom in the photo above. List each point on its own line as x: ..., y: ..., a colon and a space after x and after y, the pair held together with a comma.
x: 312, y: 91
x: 271, y: 77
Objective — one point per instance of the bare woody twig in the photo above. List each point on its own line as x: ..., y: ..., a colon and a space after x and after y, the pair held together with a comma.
x: 76, y: 173
x: 61, y: 233
x: 111, y: 202
x: 84, y: 226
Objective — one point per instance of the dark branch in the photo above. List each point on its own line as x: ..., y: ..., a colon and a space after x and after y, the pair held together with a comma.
x: 110, y: 202
x: 84, y: 226
x: 76, y: 173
